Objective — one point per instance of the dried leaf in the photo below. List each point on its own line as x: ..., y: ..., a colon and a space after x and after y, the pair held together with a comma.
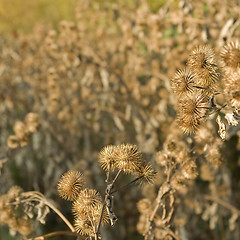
x: 222, y: 128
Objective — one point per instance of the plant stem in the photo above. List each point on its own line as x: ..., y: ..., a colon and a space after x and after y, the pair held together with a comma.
x: 164, y: 189
x: 60, y: 215
x: 127, y: 185
x: 223, y: 203
x: 52, y: 234
x: 107, y: 193
x: 37, y: 196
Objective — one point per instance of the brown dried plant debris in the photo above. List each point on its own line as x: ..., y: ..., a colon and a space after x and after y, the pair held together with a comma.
x: 32, y: 122
x: 11, y: 214
x: 144, y: 206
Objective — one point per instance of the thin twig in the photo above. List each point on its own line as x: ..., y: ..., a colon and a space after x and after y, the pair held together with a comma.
x: 127, y: 185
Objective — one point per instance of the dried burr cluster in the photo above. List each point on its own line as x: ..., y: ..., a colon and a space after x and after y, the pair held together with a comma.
x: 205, y: 77
x: 88, y: 208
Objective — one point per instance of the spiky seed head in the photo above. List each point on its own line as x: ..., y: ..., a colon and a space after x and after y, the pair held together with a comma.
x: 83, y: 226
x: 231, y: 54
x: 87, y: 210
x: 202, y: 62
x: 97, y: 214
x: 192, y: 111
x: 147, y: 174
x: 128, y: 158
x: 183, y: 82
x: 70, y: 184
x: 86, y: 201
x: 93, y: 214
x: 231, y: 86
x: 106, y: 157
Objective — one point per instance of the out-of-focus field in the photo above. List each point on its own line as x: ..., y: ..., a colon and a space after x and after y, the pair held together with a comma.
x: 23, y: 15
x: 128, y: 90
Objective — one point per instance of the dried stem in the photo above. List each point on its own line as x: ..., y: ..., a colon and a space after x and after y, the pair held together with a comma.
x: 127, y: 185
x: 52, y: 234
x: 165, y: 188
x: 222, y: 203
x: 60, y: 215
x: 37, y: 196
x: 107, y: 193
x: 170, y: 232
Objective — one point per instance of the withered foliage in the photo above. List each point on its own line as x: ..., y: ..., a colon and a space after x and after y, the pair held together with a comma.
x: 152, y: 96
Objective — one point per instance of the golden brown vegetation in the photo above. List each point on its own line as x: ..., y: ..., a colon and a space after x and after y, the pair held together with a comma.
x: 153, y: 97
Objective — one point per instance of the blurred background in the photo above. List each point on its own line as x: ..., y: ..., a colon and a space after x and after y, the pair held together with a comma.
x: 98, y: 72
x: 16, y: 15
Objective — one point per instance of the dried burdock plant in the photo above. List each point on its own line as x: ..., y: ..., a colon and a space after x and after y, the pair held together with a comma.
x: 106, y: 78
x: 231, y: 54
x: 195, y: 88
x: 70, y: 184
x: 192, y: 111
x: 232, y: 89
x: 107, y: 158
x: 180, y: 171
x: 183, y: 82
x: 89, y: 210
x: 202, y: 61
x: 127, y: 159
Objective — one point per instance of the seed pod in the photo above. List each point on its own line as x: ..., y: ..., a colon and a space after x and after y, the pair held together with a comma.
x: 70, y: 184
